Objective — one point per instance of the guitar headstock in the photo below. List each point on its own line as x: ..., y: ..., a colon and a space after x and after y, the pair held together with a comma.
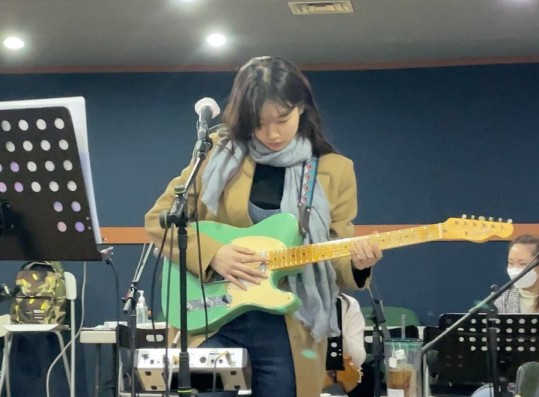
x: 476, y: 229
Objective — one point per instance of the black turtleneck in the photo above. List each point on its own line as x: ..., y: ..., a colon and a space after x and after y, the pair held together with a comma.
x: 267, y: 192
x: 268, y: 186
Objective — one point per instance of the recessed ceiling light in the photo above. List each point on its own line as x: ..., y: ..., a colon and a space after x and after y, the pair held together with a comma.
x: 13, y: 43
x: 216, y: 39
x: 520, y: 3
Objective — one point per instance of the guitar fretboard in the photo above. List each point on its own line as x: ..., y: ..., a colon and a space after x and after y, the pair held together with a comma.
x: 298, y: 256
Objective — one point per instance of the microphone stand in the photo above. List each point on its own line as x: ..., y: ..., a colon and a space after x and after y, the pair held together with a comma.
x: 491, y: 331
x: 492, y: 346
x: 379, y: 324
x: 130, y: 301
x: 178, y: 216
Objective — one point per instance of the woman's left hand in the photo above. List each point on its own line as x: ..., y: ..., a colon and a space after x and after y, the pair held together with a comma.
x: 364, y: 253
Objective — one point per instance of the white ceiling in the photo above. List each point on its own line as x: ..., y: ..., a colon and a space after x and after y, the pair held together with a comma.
x: 169, y: 34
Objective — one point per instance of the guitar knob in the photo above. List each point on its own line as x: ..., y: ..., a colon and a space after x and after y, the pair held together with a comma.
x: 491, y: 219
x: 509, y: 221
x: 472, y: 217
x: 464, y: 216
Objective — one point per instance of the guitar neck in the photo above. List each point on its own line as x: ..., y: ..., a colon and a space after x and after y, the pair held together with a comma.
x: 299, y: 256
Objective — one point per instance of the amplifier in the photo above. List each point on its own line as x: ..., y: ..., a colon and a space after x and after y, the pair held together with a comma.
x: 232, y: 366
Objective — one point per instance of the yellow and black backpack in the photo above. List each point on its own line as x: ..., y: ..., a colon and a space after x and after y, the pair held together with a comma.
x: 40, y: 294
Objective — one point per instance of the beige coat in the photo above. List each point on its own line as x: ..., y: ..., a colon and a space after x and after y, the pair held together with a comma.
x: 336, y: 175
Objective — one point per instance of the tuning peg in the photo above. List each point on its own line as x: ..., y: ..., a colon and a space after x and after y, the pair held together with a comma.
x: 491, y: 218
x: 464, y: 216
x: 509, y: 221
x: 482, y: 218
x: 472, y: 217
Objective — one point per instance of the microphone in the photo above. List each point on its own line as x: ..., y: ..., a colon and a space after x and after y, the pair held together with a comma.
x: 206, y: 109
x: 6, y: 293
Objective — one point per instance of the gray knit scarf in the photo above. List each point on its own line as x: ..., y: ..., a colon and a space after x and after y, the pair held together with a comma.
x: 315, y: 286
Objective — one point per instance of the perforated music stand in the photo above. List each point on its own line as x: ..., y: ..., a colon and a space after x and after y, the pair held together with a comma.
x: 47, y: 209
x: 461, y: 358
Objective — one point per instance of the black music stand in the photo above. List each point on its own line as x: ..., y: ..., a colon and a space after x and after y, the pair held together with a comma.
x: 44, y: 207
x: 460, y: 360
x: 47, y: 210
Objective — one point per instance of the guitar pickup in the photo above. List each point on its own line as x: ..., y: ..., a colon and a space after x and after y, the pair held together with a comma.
x: 215, y: 301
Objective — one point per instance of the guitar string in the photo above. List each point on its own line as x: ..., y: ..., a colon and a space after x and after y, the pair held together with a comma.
x: 298, y: 256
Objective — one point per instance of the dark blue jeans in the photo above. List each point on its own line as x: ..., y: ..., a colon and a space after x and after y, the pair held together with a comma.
x: 266, y: 339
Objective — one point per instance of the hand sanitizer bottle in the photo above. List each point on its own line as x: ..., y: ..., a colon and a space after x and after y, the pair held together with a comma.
x: 142, y: 309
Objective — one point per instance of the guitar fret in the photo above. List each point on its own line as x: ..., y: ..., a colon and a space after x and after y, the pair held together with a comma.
x: 405, y: 237
x: 312, y: 253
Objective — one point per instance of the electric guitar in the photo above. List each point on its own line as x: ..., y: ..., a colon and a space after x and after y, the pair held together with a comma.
x: 278, y: 238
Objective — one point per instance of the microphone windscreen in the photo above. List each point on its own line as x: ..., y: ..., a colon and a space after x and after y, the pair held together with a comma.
x: 209, y: 102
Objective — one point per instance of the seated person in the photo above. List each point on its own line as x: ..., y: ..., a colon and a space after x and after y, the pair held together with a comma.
x: 523, y: 296
x: 352, y: 328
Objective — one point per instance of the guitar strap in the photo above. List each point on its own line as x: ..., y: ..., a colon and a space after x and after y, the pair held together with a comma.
x: 334, y: 356
x: 310, y: 170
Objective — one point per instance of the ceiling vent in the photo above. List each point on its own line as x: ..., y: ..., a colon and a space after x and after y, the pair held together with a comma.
x: 321, y: 7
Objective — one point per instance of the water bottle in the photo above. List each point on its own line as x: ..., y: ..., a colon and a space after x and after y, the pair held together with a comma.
x: 142, y: 309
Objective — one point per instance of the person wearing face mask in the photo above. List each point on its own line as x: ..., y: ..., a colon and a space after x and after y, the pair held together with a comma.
x: 271, y: 133
x: 523, y: 296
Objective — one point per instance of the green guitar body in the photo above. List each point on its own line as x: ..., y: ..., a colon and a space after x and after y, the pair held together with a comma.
x: 225, y: 301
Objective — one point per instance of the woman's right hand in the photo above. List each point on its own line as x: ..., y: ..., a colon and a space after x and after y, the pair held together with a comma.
x: 236, y: 263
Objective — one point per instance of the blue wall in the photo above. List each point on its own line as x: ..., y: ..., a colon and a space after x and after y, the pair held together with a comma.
x: 428, y: 144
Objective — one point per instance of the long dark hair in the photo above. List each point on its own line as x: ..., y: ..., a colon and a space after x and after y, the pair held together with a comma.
x: 278, y: 80
x: 530, y: 239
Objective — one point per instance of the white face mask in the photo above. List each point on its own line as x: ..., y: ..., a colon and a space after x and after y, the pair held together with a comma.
x: 527, y: 281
